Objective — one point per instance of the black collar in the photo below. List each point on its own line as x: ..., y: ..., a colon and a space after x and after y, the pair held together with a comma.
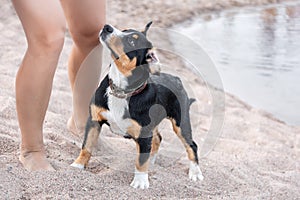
x: 123, y: 94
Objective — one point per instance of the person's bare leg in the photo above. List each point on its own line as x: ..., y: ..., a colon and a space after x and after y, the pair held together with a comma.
x: 85, y: 19
x: 45, y: 36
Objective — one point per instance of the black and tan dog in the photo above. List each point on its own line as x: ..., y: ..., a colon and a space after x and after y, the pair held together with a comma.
x: 132, y: 101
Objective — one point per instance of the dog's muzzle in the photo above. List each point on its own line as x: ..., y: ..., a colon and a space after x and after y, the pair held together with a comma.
x: 107, y: 30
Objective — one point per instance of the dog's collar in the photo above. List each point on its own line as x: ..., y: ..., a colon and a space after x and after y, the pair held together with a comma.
x: 123, y: 94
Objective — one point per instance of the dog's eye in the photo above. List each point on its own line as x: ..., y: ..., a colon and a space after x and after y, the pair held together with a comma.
x: 131, y: 41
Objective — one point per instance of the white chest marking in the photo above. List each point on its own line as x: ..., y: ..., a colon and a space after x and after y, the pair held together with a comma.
x: 114, y: 116
x: 117, y: 106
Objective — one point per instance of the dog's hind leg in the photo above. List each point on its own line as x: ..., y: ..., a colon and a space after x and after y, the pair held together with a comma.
x: 184, y: 132
x: 92, y: 131
x: 156, y: 140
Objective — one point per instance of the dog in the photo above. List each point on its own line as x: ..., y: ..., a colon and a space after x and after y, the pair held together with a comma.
x: 133, y: 99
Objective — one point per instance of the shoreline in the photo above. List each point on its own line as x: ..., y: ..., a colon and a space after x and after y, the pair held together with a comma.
x: 174, y: 12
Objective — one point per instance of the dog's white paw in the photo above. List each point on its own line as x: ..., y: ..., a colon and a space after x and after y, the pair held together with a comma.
x: 140, y: 180
x: 195, y: 172
x: 77, y: 165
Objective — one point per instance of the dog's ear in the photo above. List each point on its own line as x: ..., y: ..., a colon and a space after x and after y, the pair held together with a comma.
x: 146, y: 28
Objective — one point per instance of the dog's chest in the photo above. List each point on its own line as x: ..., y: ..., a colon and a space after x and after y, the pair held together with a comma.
x: 115, y: 116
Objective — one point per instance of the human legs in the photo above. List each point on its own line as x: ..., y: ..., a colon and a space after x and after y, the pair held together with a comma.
x: 85, y: 19
x: 45, y: 37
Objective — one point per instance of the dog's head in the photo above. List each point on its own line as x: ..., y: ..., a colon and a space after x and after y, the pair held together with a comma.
x: 130, y: 49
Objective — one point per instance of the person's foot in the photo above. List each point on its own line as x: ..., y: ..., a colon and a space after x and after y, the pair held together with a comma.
x: 73, y: 128
x: 35, y: 161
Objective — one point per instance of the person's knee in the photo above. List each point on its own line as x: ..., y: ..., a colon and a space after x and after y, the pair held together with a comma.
x: 86, y: 38
x: 47, y: 42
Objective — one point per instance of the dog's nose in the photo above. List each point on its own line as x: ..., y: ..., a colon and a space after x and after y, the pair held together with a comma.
x: 107, y: 28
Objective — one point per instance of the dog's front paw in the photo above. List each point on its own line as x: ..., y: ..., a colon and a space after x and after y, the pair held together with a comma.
x: 140, y: 180
x: 195, y: 172
x: 77, y: 165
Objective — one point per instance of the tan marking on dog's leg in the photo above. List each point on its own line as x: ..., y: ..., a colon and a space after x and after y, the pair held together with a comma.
x: 156, y: 140
x: 96, y: 113
x: 188, y: 148
x: 82, y: 159
x: 134, y: 129
x: 92, y: 139
x: 86, y: 151
x: 194, y: 169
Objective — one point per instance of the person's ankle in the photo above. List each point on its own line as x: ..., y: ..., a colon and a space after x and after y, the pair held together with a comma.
x: 27, y: 149
x: 34, y: 158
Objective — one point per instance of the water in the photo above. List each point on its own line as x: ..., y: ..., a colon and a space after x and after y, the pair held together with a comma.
x: 257, y: 53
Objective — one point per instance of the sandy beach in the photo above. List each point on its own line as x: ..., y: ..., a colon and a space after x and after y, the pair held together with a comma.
x: 256, y: 157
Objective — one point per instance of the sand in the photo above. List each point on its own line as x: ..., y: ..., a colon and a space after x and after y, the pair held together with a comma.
x: 256, y: 156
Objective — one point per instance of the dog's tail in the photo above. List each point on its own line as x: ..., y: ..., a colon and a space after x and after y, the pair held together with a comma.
x: 192, y: 100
